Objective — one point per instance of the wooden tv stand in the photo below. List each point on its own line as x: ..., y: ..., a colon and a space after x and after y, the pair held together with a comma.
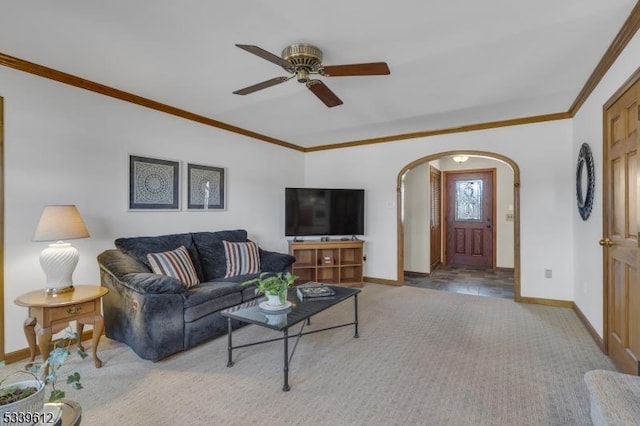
x: 336, y: 262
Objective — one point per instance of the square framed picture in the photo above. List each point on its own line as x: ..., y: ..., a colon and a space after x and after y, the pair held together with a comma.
x: 154, y: 184
x: 205, y: 187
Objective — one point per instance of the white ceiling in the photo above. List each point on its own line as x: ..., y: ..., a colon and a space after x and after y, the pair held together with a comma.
x: 453, y: 62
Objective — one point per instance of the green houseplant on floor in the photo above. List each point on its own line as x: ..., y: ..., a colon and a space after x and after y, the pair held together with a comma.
x: 57, y: 357
x: 273, y: 286
x: 28, y: 396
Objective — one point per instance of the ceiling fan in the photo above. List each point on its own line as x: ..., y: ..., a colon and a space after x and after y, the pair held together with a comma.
x: 303, y: 60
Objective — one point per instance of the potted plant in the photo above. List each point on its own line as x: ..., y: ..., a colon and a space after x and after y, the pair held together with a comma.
x: 273, y: 286
x: 28, y: 396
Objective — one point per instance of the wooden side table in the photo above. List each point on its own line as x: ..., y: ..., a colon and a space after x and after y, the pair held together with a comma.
x: 51, y: 313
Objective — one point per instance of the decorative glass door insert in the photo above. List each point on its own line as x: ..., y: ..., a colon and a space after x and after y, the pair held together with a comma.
x: 468, y: 203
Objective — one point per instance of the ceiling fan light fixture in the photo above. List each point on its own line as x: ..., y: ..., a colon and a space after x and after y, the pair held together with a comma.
x: 460, y: 158
x: 302, y: 75
x: 303, y: 55
x: 303, y: 60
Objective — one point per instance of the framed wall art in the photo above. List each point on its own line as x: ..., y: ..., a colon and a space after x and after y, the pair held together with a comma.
x: 205, y: 187
x: 154, y: 184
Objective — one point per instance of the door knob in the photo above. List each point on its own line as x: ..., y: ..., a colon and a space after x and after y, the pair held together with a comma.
x: 605, y: 242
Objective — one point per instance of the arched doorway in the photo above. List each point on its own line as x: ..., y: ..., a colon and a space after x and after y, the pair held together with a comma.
x: 516, y: 207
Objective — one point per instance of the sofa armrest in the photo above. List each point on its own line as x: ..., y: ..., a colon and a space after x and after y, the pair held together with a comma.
x: 151, y: 324
x: 119, y: 264
x: 271, y: 261
x: 147, y: 283
x: 614, y: 397
x: 135, y: 275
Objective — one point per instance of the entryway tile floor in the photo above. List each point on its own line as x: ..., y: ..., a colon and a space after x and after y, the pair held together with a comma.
x: 457, y: 279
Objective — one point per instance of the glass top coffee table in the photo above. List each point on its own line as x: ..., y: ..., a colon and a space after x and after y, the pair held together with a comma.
x: 300, y: 311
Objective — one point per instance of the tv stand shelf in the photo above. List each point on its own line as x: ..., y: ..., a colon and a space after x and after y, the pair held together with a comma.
x: 331, y: 262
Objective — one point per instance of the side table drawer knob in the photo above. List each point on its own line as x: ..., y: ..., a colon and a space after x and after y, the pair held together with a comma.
x: 74, y: 310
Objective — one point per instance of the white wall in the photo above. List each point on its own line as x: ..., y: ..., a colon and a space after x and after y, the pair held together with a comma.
x: 417, y: 205
x: 543, y: 151
x: 587, y: 127
x: 64, y: 145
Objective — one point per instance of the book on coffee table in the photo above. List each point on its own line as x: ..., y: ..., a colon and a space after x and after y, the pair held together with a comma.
x: 314, y: 290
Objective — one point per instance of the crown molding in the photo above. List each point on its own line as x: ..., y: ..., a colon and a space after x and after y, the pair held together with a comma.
x: 446, y: 131
x: 626, y: 33
x: 72, y: 80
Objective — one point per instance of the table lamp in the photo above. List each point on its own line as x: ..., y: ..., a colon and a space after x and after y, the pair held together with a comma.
x: 58, y: 223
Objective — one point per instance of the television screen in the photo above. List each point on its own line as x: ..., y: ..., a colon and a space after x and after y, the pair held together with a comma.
x: 318, y: 211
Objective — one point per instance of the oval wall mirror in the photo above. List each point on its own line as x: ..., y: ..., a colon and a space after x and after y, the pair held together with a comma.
x: 585, y: 181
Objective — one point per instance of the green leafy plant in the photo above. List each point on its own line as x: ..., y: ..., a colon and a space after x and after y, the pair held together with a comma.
x: 57, y: 357
x: 272, y: 284
x: 12, y: 393
x: 46, y: 372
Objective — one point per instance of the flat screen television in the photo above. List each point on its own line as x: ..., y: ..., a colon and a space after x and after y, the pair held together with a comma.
x: 323, y: 211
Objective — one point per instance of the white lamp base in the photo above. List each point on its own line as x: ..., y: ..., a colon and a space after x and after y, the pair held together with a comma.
x: 58, y: 262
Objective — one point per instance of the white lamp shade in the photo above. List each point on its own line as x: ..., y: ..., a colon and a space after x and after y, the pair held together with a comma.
x: 60, y: 223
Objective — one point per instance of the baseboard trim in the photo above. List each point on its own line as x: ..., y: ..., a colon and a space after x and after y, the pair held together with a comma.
x: 569, y: 304
x: 381, y: 281
x: 592, y: 331
x: 548, y: 302
x: 25, y: 353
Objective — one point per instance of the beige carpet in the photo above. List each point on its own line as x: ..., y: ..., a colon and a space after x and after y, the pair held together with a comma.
x: 423, y: 357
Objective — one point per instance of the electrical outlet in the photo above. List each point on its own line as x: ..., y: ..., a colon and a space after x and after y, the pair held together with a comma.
x: 548, y: 273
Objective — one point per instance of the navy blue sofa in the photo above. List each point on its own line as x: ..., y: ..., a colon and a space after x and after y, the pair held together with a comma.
x: 155, y: 314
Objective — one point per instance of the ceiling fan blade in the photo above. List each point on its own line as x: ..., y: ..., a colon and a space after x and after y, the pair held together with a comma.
x: 323, y: 93
x: 258, y: 51
x: 261, y: 86
x: 371, y: 68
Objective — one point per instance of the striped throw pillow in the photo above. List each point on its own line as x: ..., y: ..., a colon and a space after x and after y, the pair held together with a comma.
x: 176, y: 264
x: 242, y: 258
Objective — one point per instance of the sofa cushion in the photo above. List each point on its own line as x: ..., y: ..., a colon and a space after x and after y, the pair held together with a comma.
x: 140, y: 247
x: 248, y: 291
x: 175, y: 263
x: 211, y: 251
x: 210, y: 297
x: 242, y: 258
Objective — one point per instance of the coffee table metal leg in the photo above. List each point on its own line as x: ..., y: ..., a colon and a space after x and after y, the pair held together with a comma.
x: 230, y: 344
x: 285, y: 387
x: 355, y: 302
